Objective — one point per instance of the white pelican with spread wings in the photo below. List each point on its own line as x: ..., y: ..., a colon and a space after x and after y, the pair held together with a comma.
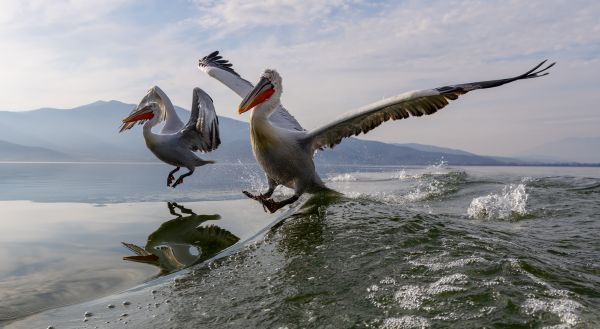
x: 176, y: 143
x: 285, y: 150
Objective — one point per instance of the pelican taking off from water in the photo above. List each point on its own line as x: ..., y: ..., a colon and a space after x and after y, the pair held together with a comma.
x: 285, y: 150
x: 176, y: 142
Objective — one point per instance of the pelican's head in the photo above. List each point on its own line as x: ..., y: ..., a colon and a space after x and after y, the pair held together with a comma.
x: 141, y: 114
x: 267, y: 89
x: 151, y: 107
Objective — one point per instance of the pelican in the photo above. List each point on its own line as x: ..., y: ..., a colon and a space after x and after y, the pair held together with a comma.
x: 285, y: 150
x: 176, y: 142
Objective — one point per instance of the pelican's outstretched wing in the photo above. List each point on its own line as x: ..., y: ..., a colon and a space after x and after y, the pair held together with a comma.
x: 415, y: 103
x: 221, y: 69
x: 201, y: 133
x: 167, y: 112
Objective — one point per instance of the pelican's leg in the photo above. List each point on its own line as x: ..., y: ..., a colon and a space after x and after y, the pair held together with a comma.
x: 273, y: 206
x: 180, y: 179
x: 266, y: 195
x: 170, y: 178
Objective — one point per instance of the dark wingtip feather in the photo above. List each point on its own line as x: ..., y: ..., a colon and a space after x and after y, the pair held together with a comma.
x: 535, y: 73
x: 215, y: 60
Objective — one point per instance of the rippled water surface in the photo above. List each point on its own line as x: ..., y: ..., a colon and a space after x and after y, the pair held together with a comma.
x: 430, y: 247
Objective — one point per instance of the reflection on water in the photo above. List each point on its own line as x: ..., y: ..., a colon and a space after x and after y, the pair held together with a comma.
x: 181, y: 242
x: 55, y: 254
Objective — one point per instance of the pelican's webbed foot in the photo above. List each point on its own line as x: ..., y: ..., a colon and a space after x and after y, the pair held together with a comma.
x: 170, y: 178
x: 257, y: 197
x: 260, y: 197
x: 272, y: 206
x: 177, y: 182
x: 180, y: 179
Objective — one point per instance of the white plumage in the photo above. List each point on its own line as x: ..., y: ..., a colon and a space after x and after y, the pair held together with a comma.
x: 176, y: 142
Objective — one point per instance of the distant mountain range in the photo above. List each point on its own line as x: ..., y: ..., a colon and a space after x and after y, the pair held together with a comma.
x: 15, y: 152
x: 90, y: 133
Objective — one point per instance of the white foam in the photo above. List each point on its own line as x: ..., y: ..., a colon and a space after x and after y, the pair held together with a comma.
x: 421, y: 193
x: 565, y: 309
x: 435, y: 264
x: 405, y: 322
x: 559, y: 304
x: 388, y: 280
x: 456, y: 278
x: 506, y: 204
x: 343, y: 178
x: 411, y: 297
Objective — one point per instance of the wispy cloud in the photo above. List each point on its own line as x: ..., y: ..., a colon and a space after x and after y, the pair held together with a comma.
x: 39, y: 13
x: 233, y: 15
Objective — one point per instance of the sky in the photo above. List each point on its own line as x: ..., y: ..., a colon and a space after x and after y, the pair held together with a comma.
x: 334, y: 56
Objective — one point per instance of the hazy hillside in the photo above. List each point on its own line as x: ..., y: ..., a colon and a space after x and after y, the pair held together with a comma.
x: 16, y: 152
x: 431, y: 148
x: 90, y: 133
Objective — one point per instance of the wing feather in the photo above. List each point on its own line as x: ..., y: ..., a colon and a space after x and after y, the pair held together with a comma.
x: 201, y: 133
x: 221, y: 69
x: 417, y: 103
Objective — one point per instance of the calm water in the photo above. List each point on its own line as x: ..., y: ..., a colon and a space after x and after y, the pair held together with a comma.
x: 430, y: 247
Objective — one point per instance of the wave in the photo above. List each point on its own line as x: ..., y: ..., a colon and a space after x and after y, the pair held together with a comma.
x: 510, y: 203
x: 555, y: 301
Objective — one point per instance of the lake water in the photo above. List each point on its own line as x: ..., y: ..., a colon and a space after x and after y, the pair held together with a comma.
x: 404, y: 247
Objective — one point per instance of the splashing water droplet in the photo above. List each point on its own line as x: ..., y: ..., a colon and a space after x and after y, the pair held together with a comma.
x: 509, y: 203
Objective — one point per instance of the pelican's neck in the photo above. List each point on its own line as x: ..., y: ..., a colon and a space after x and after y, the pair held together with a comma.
x: 172, y: 120
x: 262, y: 133
x: 148, y: 135
x: 261, y: 113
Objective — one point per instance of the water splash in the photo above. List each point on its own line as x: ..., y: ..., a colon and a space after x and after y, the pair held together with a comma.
x: 427, y: 190
x: 343, y: 178
x: 510, y: 203
x: 418, y: 188
x: 438, y: 168
x: 252, y: 179
x: 402, y: 175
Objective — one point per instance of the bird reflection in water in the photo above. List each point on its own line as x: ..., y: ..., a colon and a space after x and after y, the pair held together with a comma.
x: 182, y: 242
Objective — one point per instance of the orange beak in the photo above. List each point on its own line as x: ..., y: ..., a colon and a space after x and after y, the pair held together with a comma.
x: 263, y: 91
x: 146, y: 115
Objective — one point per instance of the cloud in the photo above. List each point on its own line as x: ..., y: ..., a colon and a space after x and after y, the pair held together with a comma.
x: 233, y: 15
x: 40, y: 13
x: 334, y: 56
